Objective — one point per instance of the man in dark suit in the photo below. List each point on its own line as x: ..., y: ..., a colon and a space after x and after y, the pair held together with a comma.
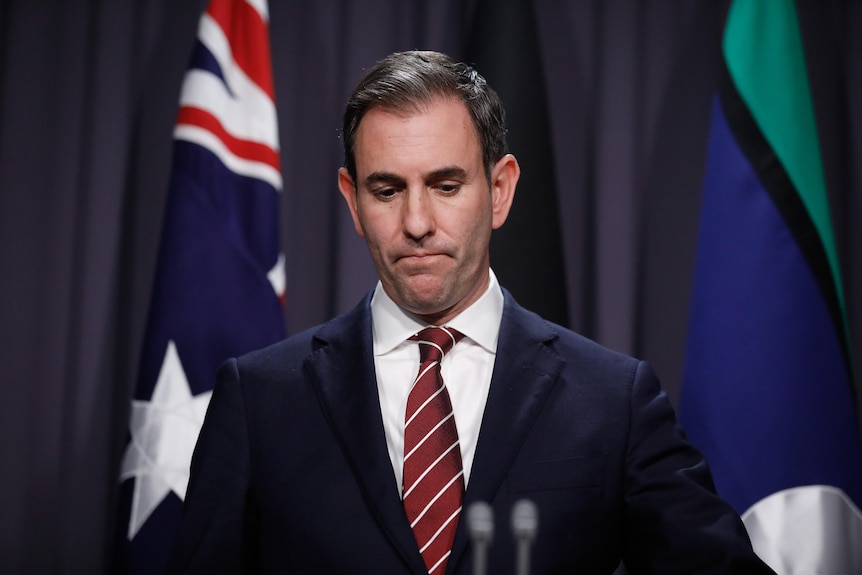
x: 317, y: 456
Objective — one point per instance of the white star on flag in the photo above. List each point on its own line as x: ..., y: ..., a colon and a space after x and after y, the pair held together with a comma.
x: 164, y: 432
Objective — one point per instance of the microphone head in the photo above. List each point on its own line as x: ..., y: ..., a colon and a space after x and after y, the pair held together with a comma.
x: 525, y: 520
x: 480, y: 522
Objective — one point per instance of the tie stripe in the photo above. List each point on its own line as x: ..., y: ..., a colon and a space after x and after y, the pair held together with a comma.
x: 429, y: 435
x: 430, y: 468
x: 441, y: 561
x: 433, y: 475
x: 421, y: 407
x: 439, y: 531
x: 436, y: 498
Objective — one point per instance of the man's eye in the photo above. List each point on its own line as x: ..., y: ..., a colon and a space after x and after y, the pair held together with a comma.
x: 385, y: 193
x: 449, y: 188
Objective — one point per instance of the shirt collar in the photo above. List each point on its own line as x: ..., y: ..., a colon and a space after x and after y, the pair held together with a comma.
x: 480, y: 322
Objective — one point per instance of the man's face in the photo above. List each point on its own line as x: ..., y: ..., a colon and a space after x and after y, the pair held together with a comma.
x: 424, y: 206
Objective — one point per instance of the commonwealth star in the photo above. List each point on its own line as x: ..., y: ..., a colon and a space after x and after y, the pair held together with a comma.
x: 164, y: 432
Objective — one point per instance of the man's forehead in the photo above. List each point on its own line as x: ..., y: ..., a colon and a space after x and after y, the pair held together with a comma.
x: 438, y: 138
x: 450, y: 108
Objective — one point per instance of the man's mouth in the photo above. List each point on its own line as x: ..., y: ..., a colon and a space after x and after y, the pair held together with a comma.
x: 419, y: 258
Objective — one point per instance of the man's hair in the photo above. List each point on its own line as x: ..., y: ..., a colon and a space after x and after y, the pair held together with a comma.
x: 405, y: 82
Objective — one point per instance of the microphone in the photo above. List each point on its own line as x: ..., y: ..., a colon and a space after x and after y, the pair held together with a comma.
x: 525, y: 524
x: 480, y: 523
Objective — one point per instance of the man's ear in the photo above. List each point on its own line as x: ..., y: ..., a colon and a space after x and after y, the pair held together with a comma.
x: 347, y: 187
x: 504, y: 180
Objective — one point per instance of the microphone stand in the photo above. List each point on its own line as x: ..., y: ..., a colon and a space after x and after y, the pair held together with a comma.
x: 525, y: 524
x: 480, y: 523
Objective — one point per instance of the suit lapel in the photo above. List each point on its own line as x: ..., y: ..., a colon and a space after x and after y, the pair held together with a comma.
x: 525, y: 370
x: 342, y: 370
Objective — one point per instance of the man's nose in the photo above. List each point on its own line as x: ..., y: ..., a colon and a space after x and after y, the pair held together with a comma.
x: 418, y: 217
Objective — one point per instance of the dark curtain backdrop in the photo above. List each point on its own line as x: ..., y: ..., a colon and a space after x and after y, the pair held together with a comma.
x: 608, y: 103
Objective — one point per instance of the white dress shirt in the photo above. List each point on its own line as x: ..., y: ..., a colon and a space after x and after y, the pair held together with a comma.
x: 466, y: 369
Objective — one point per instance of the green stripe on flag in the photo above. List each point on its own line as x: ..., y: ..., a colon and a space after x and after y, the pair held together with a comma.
x: 766, y: 60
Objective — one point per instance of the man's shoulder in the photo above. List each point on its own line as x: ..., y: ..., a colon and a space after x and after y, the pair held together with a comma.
x: 559, y: 337
x: 572, y: 346
x: 298, y: 342
x: 299, y: 345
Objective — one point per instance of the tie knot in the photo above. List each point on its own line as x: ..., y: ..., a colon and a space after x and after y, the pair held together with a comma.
x: 435, y: 342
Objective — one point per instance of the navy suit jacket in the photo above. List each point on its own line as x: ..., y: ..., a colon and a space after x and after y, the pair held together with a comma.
x: 291, y: 472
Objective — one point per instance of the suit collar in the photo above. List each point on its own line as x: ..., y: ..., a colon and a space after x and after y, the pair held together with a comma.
x: 342, y: 371
x: 525, y: 371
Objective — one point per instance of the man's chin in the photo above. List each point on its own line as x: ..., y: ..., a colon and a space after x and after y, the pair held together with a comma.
x: 425, y: 299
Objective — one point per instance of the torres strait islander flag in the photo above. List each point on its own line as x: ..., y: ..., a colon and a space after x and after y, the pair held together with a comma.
x: 219, y: 282
x: 768, y: 391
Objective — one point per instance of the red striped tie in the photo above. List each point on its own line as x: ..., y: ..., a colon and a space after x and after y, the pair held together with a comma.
x: 433, y: 476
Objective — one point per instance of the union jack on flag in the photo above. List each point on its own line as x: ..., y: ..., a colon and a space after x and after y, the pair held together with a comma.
x: 219, y: 284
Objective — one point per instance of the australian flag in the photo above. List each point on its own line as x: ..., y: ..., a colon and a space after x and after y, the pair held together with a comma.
x: 219, y: 285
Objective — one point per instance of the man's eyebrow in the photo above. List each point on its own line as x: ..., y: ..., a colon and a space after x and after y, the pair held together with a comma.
x: 448, y: 173
x: 383, y: 178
